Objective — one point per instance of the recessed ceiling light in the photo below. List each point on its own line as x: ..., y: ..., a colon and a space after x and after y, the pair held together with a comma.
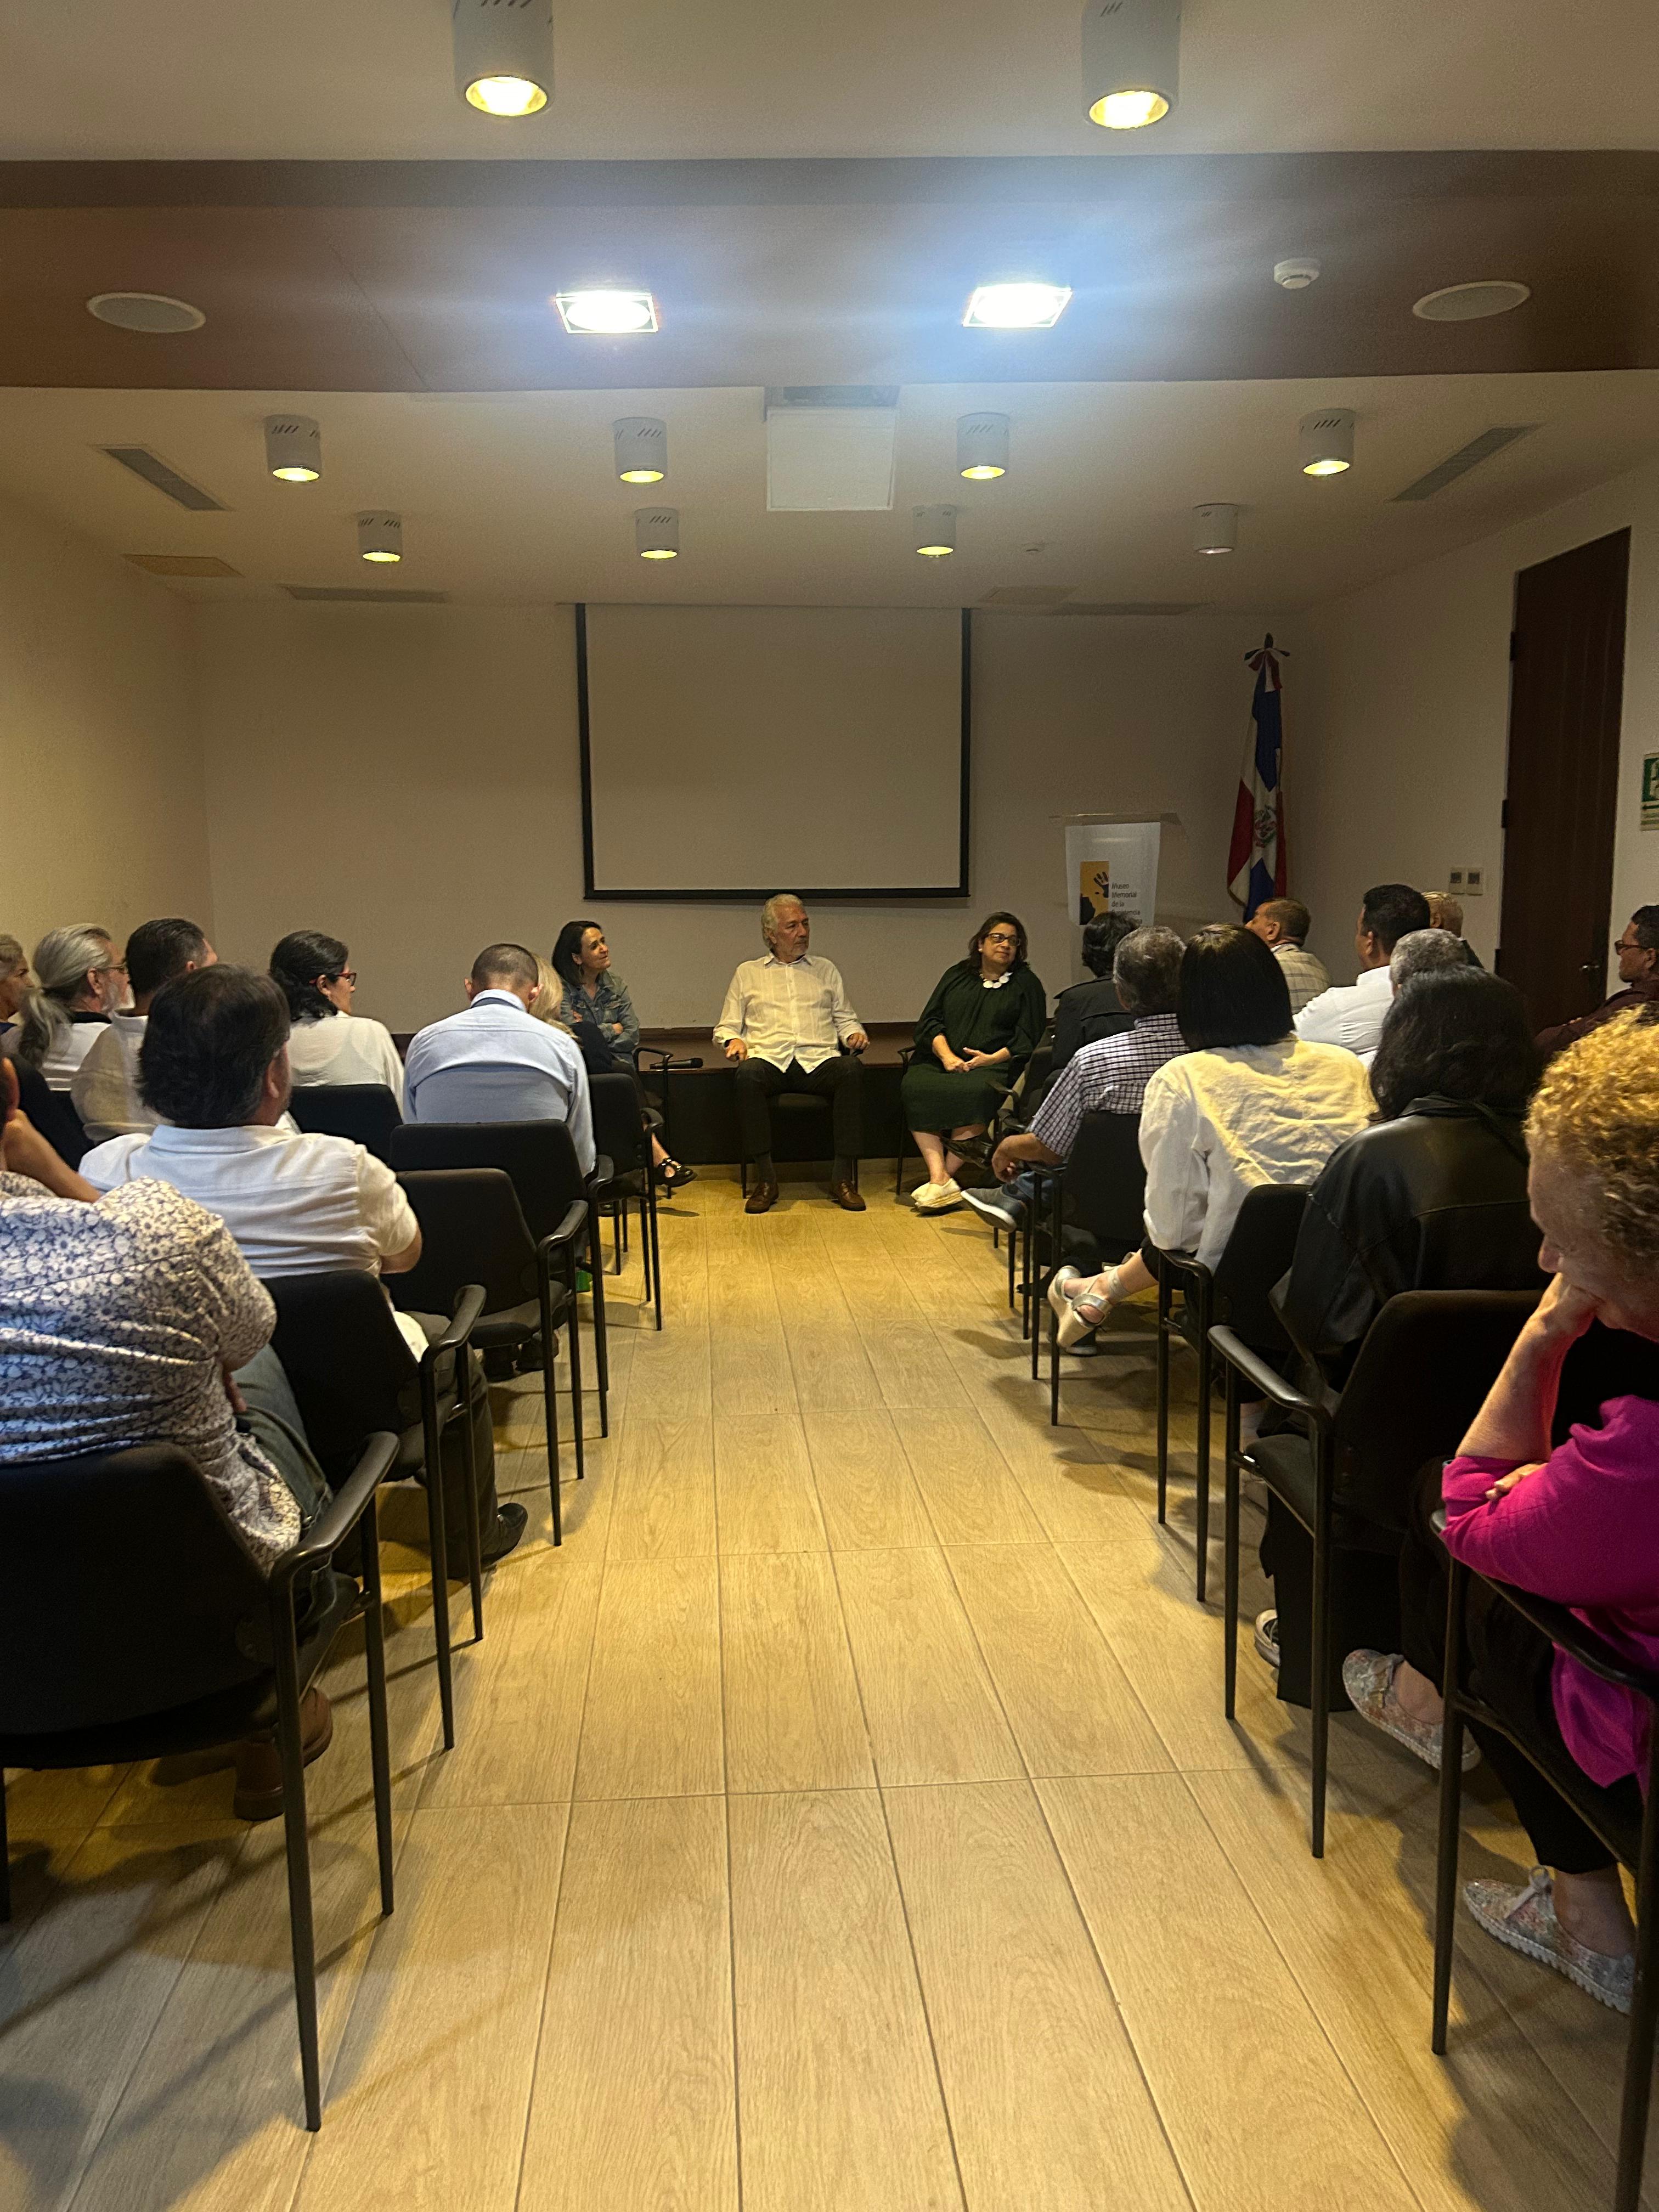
x: 1016, y: 306
x: 605, y: 313
x: 1131, y: 61
x: 1470, y: 303
x: 380, y: 537
x: 1325, y: 442
x: 641, y: 448
x: 503, y: 55
x: 936, y: 531
x: 657, y: 532
x: 153, y: 313
x: 982, y: 448
x: 294, y: 448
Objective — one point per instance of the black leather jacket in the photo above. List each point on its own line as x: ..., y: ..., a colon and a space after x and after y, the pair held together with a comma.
x: 1434, y: 1200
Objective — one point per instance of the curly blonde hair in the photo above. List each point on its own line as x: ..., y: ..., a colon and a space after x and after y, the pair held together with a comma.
x: 1596, y: 1112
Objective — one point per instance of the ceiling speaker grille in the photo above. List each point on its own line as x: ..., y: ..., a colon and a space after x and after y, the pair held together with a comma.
x: 366, y: 593
x: 182, y: 564
x: 1028, y: 595
x: 1465, y: 459
x: 1132, y: 607
x: 163, y: 478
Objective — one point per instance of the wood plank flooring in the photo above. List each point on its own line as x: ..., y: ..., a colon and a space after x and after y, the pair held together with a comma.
x: 841, y: 1821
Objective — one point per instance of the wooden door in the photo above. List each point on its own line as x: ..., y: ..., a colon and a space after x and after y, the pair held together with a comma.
x: 1566, y: 688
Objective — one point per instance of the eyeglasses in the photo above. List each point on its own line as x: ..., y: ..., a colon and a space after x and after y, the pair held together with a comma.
x: 1001, y: 937
x: 111, y: 968
x: 345, y: 975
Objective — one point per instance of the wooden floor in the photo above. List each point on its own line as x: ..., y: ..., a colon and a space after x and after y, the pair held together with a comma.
x: 843, y: 1818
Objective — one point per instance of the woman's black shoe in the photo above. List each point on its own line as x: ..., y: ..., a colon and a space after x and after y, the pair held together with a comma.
x: 510, y: 1520
x: 675, y: 1175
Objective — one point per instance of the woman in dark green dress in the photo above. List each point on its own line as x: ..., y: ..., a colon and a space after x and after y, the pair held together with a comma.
x: 975, y: 1034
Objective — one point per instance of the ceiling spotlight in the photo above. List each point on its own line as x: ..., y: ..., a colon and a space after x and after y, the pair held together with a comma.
x: 1016, y: 306
x: 657, y: 532
x: 1326, y: 442
x: 936, y: 531
x: 1296, y: 276
x: 154, y: 313
x: 642, y: 442
x: 294, y: 448
x: 1215, y: 528
x: 504, y: 55
x: 1471, y: 303
x: 981, y: 446
x: 605, y: 313
x: 1131, y: 61
x: 380, y: 536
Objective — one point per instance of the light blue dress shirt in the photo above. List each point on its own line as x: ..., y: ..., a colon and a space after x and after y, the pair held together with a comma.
x: 496, y: 1062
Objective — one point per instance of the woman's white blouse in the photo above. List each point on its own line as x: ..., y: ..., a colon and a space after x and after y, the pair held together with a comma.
x: 345, y: 1048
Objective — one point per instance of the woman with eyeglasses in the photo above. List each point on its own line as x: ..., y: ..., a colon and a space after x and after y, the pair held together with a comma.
x: 975, y: 1034
x: 328, y: 1044
x: 81, y: 981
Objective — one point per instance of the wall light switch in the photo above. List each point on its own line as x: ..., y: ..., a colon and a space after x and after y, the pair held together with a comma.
x: 1455, y: 879
x: 1475, y: 882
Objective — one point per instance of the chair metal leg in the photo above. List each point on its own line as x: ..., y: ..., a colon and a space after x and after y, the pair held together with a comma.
x: 576, y: 1408
x: 654, y: 1242
x: 549, y: 1383
x: 469, y: 1467
x: 622, y: 1215
x: 647, y: 1206
x: 1013, y: 1239
x: 302, y: 1931
x: 1163, y: 1395
x: 1202, y: 1458
x: 1643, y: 2019
x: 5, y: 1855
x: 601, y: 1346
x: 438, y: 1539
x: 1320, y: 1699
x: 380, y: 1744
x: 1053, y: 1368
x: 617, y: 1238
x: 1229, y: 1545
x: 1451, y: 1806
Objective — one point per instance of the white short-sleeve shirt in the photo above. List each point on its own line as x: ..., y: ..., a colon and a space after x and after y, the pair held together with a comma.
x: 345, y: 1048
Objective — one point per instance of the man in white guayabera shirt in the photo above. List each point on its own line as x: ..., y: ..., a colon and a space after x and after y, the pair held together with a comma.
x: 785, y: 1019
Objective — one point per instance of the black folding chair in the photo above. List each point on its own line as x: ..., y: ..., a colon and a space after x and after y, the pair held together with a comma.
x: 348, y: 1366
x: 1256, y: 1254
x: 136, y: 1625
x: 1426, y: 1364
x: 541, y: 1158
x: 473, y: 1230
x: 366, y: 1112
x: 655, y: 1066
x: 622, y: 1133
x: 1636, y: 1845
x: 1089, y: 1216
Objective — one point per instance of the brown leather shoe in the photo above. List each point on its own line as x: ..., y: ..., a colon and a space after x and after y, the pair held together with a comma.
x: 762, y: 1198
x: 259, y: 1771
x: 847, y: 1195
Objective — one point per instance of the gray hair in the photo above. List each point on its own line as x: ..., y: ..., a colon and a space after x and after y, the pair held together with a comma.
x: 1420, y: 952
x: 1146, y: 969
x: 773, y: 907
x: 62, y: 959
x: 11, y: 954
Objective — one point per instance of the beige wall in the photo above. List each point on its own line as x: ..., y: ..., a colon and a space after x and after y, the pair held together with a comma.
x: 98, y: 739
x: 407, y: 779
x: 1400, y: 721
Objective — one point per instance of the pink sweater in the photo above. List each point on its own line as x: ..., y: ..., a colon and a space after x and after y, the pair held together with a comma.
x: 1584, y: 1530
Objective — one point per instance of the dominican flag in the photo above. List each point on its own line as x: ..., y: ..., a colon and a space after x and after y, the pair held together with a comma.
x: 1255, y: 858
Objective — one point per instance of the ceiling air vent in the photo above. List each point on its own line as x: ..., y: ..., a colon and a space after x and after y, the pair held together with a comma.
x: 1028, y: 595
x: 182, y: 564
x: 155, y: 471
x: 366, y: 594
x: 1132, y: 607
x: 1465, y: 459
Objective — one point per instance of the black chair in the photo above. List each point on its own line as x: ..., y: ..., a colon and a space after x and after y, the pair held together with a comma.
x: 541, y: 1158
x: 348, y: 1366
x: 1636, y: 1846
x: 1092, y: 1220
x: 138, y: 1626
x: 53, y: 1115
x: 622, y: 1133
x: 1426, y: 1364
x: 366, y: 1112
x: 1257, y: 1254
x: 655, y: 1066
x: 473, y: 1230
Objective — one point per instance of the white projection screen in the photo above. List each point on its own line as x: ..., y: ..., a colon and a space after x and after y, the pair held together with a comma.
x: 726, y: 750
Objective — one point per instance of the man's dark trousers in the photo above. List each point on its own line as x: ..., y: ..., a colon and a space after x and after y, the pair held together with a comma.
x: 837, y: 1079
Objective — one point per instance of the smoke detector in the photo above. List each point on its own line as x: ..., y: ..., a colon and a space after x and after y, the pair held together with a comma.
x: 1296, y: 276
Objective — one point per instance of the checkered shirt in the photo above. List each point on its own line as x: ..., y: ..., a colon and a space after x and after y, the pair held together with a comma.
x: 1107, y: 1077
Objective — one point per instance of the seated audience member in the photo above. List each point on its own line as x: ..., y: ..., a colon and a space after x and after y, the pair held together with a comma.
x: 133, y: 1319
x: 974, y: 1034
x: 1248, y: 1102
x: 1446, y: 912
x: 784, y: 1017
x: 1107, y: 1077
x: 1352, y: 1015
x: 79, y: 984
x: 1639, y: 977
x: 1088, y: 1002
x: 105, y: 1086
x: 1421, y: 952
x: 496, y: 1061
x: 328, y: 1044
x: 14, y: 989
x: 214, y: 1065
x: 590, y: 997
x: 599, y: 1059
x: 1432, y: 1196
x: 1282, y: 924
x: 1578, y: 1524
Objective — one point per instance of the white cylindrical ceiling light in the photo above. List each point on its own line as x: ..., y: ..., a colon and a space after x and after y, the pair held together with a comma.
x: 504, y: 55
x: 981, y: 446
x: 657, y: 532
x: 1325, y: 443
x: 1215, y: 528
x: 936, y: 531
x: 380, y: 536
x: 1131, y: 61
x: 642, y: 442
x: 294, y: 448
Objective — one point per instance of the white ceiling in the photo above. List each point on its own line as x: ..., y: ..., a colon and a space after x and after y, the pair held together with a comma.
x: 510, y: 498
x: 310, y: 79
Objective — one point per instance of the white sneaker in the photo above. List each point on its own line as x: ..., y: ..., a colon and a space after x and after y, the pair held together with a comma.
x: 1267, y: 1636
x: 935, y: 1197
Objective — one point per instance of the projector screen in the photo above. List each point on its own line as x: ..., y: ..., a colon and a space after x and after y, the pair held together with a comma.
x: 729, y: 751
